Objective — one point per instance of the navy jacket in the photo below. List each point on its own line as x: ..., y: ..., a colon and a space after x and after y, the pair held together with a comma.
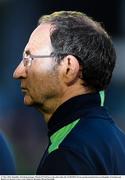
x: 84, y: 140
x: 7, y: 165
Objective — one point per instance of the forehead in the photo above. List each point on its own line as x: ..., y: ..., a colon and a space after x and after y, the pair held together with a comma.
x: 39, y: 39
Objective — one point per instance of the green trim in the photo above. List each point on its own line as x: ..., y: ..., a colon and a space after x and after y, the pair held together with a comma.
x: 60, y: 135
x: 102, y: 96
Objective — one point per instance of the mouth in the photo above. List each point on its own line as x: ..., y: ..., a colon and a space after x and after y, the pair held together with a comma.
x: 24, y: 90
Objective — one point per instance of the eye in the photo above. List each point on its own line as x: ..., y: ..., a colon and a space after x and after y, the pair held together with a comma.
x: 26, y: 61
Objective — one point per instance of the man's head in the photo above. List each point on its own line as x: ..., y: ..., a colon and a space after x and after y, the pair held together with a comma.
x: 67, y: 54
x: 76, y: 34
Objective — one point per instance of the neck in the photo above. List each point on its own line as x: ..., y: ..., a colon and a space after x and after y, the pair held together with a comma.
x: 50, y: 106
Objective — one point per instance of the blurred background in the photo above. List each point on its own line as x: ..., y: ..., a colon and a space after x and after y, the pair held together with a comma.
x: 24, y: 127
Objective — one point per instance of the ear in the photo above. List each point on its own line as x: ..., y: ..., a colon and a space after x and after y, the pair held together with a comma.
x: 71, y: 70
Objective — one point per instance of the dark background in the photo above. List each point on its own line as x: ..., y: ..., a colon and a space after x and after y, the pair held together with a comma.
x: 24, y: 127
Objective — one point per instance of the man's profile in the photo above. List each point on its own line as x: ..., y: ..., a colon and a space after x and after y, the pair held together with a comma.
x: 67, y: 61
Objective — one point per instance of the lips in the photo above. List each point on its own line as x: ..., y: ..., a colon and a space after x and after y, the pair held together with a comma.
x: 24, y: 90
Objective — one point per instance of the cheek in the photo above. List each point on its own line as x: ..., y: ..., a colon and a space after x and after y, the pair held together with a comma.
x: 39, y: 83
x: 41, y: 75
x: 44, y: 82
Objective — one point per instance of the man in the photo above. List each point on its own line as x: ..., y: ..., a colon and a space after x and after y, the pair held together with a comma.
x: 67, y: 61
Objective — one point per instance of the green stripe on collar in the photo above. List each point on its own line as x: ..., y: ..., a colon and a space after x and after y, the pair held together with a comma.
x: 60, y: 135
x: 102, y: 96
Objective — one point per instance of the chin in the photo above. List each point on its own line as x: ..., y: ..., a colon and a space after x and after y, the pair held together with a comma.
x: 28, y: 101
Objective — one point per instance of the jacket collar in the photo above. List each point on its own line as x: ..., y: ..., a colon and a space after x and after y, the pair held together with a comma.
x: 71, y: 110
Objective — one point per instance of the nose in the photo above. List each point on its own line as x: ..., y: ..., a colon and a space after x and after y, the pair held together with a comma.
x: 19, y: 72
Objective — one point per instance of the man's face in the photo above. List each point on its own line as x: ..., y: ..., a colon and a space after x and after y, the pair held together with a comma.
x: 40, y: 81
